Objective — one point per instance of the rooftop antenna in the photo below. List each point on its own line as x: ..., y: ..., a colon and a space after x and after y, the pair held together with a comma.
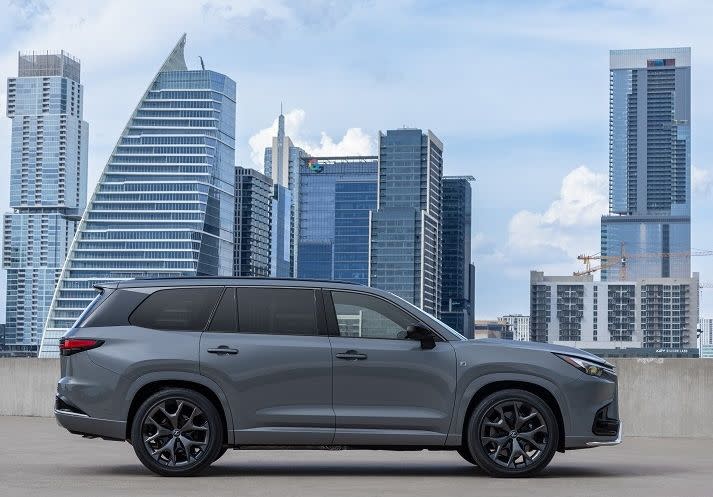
x: 202, y: 64
x: 280, y: 107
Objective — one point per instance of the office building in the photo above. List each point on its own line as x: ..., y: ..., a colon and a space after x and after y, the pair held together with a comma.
x: 282, y: 165
x: 519, y: 326
x: 282, y: 231
x: 492, y: 328
x: 253, y: 223
x: 649, y: 219
x: 650, y: 313
x: 48, y: 188
x: 405, y: 248
x: 337, y: 195
x: 705, y: 325
x: 457, y: 271
x: 164, y: 205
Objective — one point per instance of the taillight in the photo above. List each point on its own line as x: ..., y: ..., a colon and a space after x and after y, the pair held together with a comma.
x: 69, y: 346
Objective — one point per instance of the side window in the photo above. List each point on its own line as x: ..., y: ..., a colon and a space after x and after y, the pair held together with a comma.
x: 360, y: 315
x: 225, y: 319
x: 176, y: 309
x: 277, y: 311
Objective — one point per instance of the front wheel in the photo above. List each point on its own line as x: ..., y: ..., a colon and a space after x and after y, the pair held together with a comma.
x: 177, y: 432
x: 512, y: 433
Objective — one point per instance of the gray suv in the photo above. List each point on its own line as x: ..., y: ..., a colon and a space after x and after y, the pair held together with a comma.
x: 185, y: 369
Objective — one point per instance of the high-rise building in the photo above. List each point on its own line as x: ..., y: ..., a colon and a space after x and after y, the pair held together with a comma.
x: 650, y: 313
x: 253, y: 222
x: 705, y: 325
x: 282, y: 231
x: 282, y: 165
x: 164, y: 205
x: 337, y: 195
x: 649, y: 164
x: 405, y: 248
x: 48, y: 187
x: 457, y: 271
x: 519, y: 326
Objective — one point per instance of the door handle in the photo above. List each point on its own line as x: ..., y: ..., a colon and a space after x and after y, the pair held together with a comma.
x: 223, y: 350
x: 351, y: 355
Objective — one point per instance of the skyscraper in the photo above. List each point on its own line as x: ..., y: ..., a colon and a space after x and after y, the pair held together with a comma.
x: 164, y: 205
x: 48, y: 187
x: 649, y: 163
x: 336, y: 197
x: 457, y: 271
x: 405, y: 248
x: 253, y: 222
x: 282, y: 165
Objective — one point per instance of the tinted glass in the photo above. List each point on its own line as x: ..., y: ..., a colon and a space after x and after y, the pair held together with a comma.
x: 115, y: 309
x: 177, y: 309
x: 277, y: 311
x: 225, y: 317
x: 360, y: 315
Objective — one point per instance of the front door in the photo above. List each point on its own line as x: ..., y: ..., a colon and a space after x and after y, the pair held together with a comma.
x: 387, y: 390
x: 273, y: 360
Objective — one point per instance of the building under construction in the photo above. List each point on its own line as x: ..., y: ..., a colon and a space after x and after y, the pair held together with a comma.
x: 658, y: 315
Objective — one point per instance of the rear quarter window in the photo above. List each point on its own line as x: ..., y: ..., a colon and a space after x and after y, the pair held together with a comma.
x: 184, y: 309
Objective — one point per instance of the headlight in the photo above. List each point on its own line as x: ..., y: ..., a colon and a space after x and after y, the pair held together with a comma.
x: 587, y: 367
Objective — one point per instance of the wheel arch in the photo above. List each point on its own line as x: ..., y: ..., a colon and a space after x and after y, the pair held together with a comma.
x: 477, y: 391
x: 147, y: 386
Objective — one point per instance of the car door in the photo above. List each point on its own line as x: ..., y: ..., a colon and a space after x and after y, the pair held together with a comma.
x: 273, y: 360
x: 387, y: 389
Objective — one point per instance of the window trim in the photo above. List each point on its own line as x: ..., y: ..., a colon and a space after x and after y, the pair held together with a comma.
x: 333, y: 324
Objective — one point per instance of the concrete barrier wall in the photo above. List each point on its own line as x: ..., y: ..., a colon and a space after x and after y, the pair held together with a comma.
x: 657, y: 397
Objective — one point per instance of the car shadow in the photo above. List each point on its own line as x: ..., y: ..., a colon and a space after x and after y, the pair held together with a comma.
x: 347, y: 469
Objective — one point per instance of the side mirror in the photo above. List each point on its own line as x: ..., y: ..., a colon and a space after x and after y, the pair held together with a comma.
x: 422, y: 334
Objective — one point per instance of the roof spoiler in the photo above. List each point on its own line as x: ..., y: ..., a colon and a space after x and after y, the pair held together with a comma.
x: 105, y: 285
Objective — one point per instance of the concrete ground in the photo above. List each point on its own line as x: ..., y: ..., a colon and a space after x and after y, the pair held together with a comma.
x: 39, y: 458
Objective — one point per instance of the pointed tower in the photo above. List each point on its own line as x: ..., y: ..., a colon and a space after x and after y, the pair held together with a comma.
x: 164, y: 205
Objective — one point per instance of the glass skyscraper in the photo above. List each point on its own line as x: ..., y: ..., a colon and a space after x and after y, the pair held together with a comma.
x: 649, y: 164
x: 457, y: 271
x: 336, y: 197
x: 48, y: 188
x: 405, y: 245
x: 282, y: 165
x: 164, y: 205
x: 253, y: 222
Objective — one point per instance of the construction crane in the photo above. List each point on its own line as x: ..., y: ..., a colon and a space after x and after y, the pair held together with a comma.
x: 621, y: 260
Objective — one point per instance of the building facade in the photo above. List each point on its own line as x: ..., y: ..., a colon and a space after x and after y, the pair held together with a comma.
x: 519, y: 326
x: 253, y: 223
x: 337, y: 195
x: 48, y: 188
x: 282, y: 165
x: 705, y: 325
x: 650, y: 313
x: 457, y: 270
x: 649, y: 220
x: 405, y: 248
x: 492, y: 328
x: 164, y: 205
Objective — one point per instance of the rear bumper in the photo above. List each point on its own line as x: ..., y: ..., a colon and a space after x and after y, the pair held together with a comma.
x: 81, y: 424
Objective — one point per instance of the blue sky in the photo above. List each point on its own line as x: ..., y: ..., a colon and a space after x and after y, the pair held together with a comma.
x: 517, y: 91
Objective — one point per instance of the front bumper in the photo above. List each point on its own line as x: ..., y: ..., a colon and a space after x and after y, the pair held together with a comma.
x: 617, y: 441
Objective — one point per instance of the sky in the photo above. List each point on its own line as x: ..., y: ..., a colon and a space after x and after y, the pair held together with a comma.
x: 517, y: 91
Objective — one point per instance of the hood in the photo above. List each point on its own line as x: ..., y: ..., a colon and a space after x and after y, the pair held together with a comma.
x: 544, y: 347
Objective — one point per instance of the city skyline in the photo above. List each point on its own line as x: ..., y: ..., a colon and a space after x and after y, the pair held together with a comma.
x: 509, y: 237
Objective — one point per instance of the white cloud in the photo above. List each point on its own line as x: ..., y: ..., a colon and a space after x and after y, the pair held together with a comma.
x: 569, y: 226
x: 702, y: 181
x: 354, y: 142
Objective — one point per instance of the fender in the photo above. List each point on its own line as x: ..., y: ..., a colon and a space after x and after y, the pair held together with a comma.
x: 148, y: 378
x: 455, y: 434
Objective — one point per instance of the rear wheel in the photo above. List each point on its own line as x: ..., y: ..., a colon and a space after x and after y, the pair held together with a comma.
x: 177, y: 432
x: 512, y: 433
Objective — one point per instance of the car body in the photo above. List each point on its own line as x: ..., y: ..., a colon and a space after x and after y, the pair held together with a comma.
x: 305, y: 364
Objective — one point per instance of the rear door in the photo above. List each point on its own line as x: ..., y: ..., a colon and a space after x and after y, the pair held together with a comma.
x: 269, y: 351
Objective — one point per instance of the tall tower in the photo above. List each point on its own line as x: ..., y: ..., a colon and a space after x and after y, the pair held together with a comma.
x: 164, y: 205
x: 48, y: 187
x: 405, y: 243
x: 649, y: 163
x: 282, y: 165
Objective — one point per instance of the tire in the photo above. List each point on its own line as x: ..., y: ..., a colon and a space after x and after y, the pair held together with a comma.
x: 177, y: 432
x: 221, y: 453
x: 512, y: 433
x: 465, y: 454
